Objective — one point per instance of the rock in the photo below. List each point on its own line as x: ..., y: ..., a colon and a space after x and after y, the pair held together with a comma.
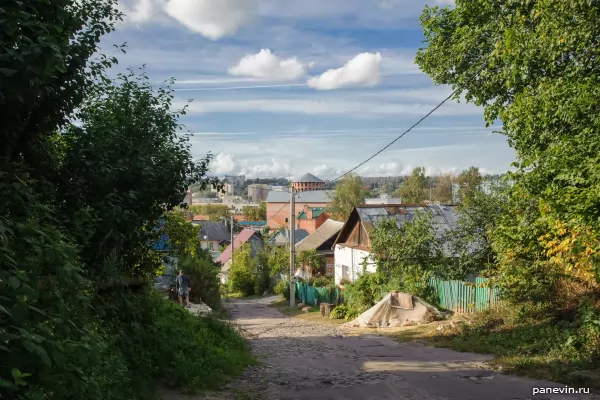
x: 306, y: 309
x: 301, y: 306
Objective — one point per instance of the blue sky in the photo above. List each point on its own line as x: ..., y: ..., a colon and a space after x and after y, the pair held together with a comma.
x: 285, y: 87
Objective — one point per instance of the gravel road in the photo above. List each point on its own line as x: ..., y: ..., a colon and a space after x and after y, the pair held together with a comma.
x: 309, y: 361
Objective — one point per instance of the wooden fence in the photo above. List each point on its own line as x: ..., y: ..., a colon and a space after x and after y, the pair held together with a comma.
x: 465, y: 297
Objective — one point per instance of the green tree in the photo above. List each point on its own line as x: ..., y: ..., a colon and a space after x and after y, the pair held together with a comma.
x: 215, y: 212
x: 310, y: 259
x: 411, y: 252
x: 241, y: 274
x: 349, y: 192
x: 413, y: 189
x: 442, y: 190
x: 478, y: 219
x: 469, y: 182
x: 531, y: 65
x: 256, y: 213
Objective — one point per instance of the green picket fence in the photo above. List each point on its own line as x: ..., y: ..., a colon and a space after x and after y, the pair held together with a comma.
x: 465, y: 297
x: 314, y: 296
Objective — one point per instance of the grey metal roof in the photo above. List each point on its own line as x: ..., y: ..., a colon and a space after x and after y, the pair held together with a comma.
x: 312, y: 196
x: 214, y: 231
x: 281, y: 237
x: 308, y: 178
x: 444, y: 217
x: 322, y: 234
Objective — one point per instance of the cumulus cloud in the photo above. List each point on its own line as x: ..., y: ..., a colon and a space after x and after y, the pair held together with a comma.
x: 268, y: 66
x: 213, y: 19
x: 226, y: 164
x: 362, y: 70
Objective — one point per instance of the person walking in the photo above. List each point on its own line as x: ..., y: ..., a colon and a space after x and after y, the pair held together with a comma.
x: 182, y: 284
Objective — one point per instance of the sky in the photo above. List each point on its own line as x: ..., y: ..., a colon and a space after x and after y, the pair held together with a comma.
x: 281, y: 88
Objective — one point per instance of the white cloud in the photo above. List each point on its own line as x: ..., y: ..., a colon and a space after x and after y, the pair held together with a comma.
x: 362, y: 70
x: 213, y: 19
x: 266, y: 65
x: 226, y: 164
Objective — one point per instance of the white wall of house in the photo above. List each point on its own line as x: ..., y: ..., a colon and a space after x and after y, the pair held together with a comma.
x: 224, y: 274
x: 349, y: 263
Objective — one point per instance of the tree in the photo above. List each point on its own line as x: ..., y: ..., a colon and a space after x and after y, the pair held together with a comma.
x: 412, y: 190
x: 349, y: 192
x: 469, y: 182
x: 310, y: 259
x: 256, y: 213
x: 241, y: 275
x: 478, y: 218
x: 215, y: 212
x: 544, y: 90
x: 411, y: 252
x: 442, y: 190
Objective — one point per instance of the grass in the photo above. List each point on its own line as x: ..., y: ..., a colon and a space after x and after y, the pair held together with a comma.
x: 536, y: 348
x: 283, y: 306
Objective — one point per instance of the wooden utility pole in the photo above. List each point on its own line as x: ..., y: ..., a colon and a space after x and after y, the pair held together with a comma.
x: 292, y: 248
x: 232, y: 244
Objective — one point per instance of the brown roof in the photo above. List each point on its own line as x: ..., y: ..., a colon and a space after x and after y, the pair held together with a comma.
x: 239, y: 240
x: 329, y: 229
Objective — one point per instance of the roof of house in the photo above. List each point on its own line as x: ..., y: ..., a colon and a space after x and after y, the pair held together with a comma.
x: 282, y: 236
x: 444, y: 216
x: 242, y: 238
x: 214, y: 231
x: 329, y: 229
x: 308, y: 178
x: 316, y: 213
x: 312, y: 196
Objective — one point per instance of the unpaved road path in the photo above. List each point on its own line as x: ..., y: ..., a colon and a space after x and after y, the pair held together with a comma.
x: 308, y: 361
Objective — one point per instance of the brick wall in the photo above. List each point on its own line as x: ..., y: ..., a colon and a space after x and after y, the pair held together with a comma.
x: 278, y: 212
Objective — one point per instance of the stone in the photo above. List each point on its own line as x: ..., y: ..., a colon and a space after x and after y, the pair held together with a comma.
x: 301, y: 306
x: 306, y: 309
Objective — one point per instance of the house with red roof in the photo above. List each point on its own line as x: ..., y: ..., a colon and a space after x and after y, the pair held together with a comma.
x: 246, y: 236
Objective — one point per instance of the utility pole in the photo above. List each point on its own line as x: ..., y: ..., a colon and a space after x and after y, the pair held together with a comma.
x: 232, y: 244
x: 292, y: 248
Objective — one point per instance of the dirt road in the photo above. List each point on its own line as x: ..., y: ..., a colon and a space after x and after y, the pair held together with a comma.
x: 306, y: 361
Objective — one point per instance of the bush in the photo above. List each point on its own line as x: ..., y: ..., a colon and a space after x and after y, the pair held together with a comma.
x: 283, y: 289
x: 322, y: 281
x: 204, y: 278
x: 352, y: 314
x: 339, y: 312
x: 366, y: 291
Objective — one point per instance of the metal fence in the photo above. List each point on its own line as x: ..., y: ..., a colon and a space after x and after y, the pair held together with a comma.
x: 465, y: 297
x: 314, y: 296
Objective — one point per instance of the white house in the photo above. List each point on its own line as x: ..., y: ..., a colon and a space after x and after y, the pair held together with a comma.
x: 353, y: 245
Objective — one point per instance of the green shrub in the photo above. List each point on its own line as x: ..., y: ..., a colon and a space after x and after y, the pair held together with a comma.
x: 366, y: 291
x: 204, y: 277
x: 323, y: 281
x: 352, y: 314
x: 339, y: 312
x: 283, y: 289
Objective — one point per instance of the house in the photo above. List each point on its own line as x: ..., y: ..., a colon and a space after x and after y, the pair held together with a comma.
x: 352, y: 247
x: 322, y: 240
x: 310, y: 218
x: 214, y: 234
x: 282, y: 237
x: 249, y: 236
x: 278, y: 204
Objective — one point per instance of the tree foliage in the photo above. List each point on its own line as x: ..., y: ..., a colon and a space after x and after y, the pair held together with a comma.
x: 215, y: 212
x: 256, y: 213
x: 413, y: 189
x: 349, y: 192
x: 79, y: 207
x: 469, y: 183
x: 533, y: 66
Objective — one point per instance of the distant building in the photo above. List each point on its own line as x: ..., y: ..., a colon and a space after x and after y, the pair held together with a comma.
x: 278, y: 204
x: 250, y: 236
x: 213, y: 234
x: 258, y: 192
x: 282, y: 237
x: 384, y: 199
x: 308, y: 182
x: 237, y: 181
x: 322, y: 241
x: 278, y: 188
